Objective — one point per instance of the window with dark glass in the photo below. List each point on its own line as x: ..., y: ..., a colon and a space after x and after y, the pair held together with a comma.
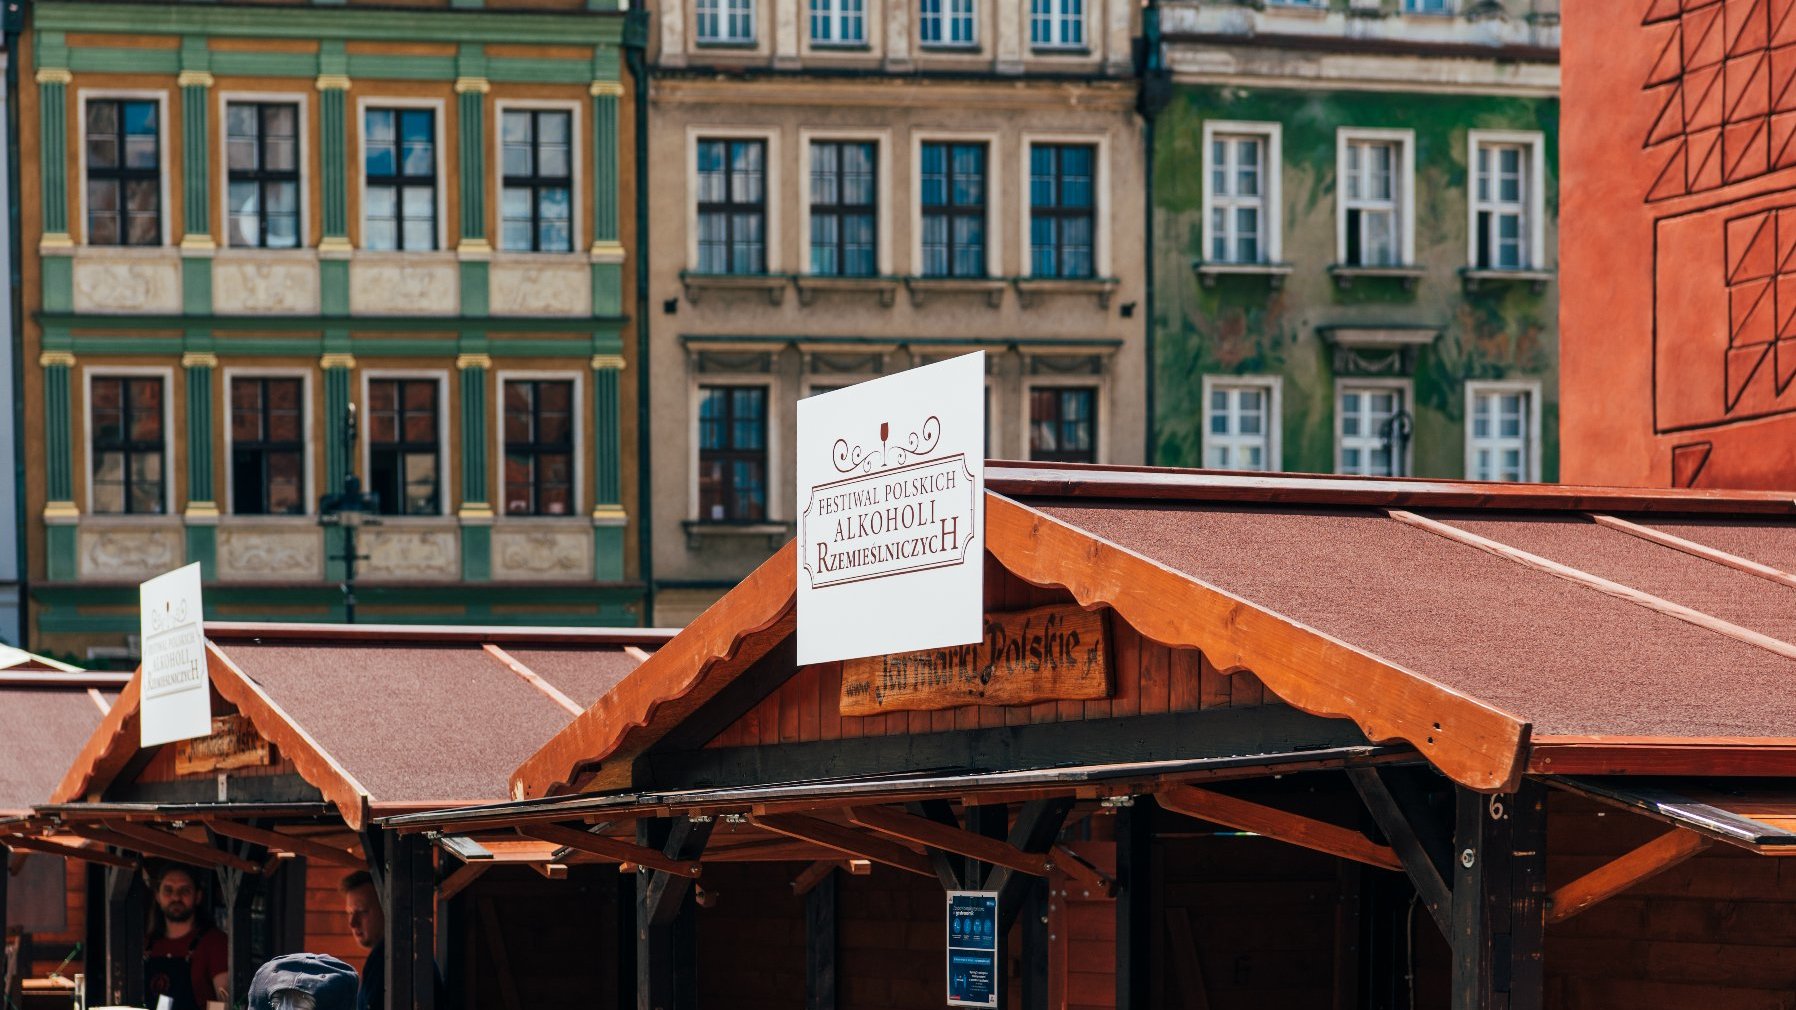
x: 129, y: 445
x: 399, y: 193
x: 536, y: 204
x: 732, y: 206
x: 732, y: 454
x: 844, y: 207
x: 539, y: 447
x: 954, y: 210
x: 124, y: 173
x: 1063, y: 424
x: 1061, y: 209
x: 262, y: 155
x: 403, y: 448
x: 268, y: 447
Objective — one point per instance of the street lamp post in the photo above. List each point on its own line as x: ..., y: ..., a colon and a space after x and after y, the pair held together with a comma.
x: 1396, y: 433
x: 349, y: 510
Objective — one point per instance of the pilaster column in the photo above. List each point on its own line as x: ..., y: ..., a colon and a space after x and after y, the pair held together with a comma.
x: 609, y: 519
x: 476, y: 512
x: 55, y: 244
x: 333, y: 155
x: 196, y: 122
x: 338, y: 369
x: 607, y: 250
x: 201, y: 516
x: 60, y: 513
x: 474, y: 252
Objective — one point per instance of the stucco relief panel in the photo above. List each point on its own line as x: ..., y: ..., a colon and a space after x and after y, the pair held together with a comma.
x: 129, y: 553
x: 270, y: 553
x: 404, y: 285
x: 541, y: 288
x: 286, y: 285
x: 126, y: 282
x: 549, y: 555
x: 412, y: 553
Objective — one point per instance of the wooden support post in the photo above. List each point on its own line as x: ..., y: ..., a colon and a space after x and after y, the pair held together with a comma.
x: 947, y: 867
x: 665, y: 933
x: 238, y: 891
x: 1037, y: 828
x: 1416, y: 845
x: 289, y: 892
x: 1135, y: 905
x: 127, y: 911
x: 411, y: 942
x: 1036, y: 949
x: 991, y: 821
x: 820, y: 904
x: 5, y: 876
x: 93, y: 951
x: 1499, y: 900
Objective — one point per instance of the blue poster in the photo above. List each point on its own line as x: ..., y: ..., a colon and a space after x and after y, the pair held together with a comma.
x: 973, y: 948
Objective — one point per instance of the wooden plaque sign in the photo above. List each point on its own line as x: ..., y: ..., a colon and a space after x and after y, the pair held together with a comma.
x: 233, y: 743
x: 1058, y: 653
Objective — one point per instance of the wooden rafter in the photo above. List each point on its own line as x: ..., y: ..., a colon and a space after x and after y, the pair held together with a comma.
x: 1617, y: 875
x: 160, y: 844
x: 814, y: 874
x: 581, y: 840
x: 929, y: 833
x: 1076, y: 868
x: 280, y: 842
x: 459, y: 879
x: 1282, y: 825
x: 91, y: 855
x: 1411, y: 848
x: 847, y: 841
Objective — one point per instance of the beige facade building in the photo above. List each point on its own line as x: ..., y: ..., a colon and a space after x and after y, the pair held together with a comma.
x: 841, y: 189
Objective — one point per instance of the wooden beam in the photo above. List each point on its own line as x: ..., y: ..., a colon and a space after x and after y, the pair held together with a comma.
x: 582, y: 840
x: 1430, y: 886
x: 845, y: 840
x: 1294, y: 829
x: 152, y: 842
x: 1094, y: 880
x: 459, y: 879
x: 50, y: 848
x: 1498, y: 933
x: 1617, y: 875
x: 814, y: 874
x: 922, y: 831
x: 666, y: 892
x: 275, y: 840
x: 1037, y: 827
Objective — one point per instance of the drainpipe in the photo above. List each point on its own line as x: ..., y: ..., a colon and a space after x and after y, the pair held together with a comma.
x: 1156, y: 91
x: 14, y: 23
x: 635, y: 43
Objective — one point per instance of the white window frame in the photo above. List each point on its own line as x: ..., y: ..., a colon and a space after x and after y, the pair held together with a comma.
x: 577, y: 179
x: 167, y: 375
x: 366, y: 435
x: 167, y: 220
x: 833, y: 14
x: 1058, y: 20
x: 1527, y: 387
x: 779, y: 408
x: 1100, y: 421
x: 1405, y: 388
x: 1271, y: 191
x: 1534, y: 199
x: 313, y: 439
x: 724, y: 13
x: 1273, y: 388
x: 1449, y: 8
x: 947, y: 17
x: 1100, y: 183
x: 578, y: 401
x: 1403, y: 183
x: 771, y: 193
x: 361, y: 170
x: 994, y: 195
x: 225, y: 101
x: 882, y: 188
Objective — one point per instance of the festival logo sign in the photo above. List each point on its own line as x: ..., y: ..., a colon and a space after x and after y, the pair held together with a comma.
x: 891, y: 483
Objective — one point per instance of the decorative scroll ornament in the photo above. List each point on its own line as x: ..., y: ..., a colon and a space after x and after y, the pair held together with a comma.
x: 855, y: 459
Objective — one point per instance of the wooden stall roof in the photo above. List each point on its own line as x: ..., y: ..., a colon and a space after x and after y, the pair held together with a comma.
x: 46, y: 713
x: 1496, y: 628
x: 389, y: 718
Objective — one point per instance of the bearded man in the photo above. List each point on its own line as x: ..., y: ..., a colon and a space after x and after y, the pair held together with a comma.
x: 185, y: 957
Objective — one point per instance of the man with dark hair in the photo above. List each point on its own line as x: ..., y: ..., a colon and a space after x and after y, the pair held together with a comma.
x: 184, y: 958
x: 368, y: 923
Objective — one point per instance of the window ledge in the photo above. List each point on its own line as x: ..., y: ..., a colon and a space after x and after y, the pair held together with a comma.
x: 1052, y: 51
x: 747, y: 45
x: 1538, y: 279
x: 698, y: 530
x: 951, y: 48
x: 1030, y: 289
x: 809, y: 286
x: 1345, y: 274
x: 922, y: 287
x: 696, y: 284
x: 1208, y: 272
x: 840, y: 47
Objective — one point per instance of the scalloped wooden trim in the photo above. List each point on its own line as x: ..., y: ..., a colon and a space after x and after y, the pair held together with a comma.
x: 1476, y: 745
x: 685, y: 673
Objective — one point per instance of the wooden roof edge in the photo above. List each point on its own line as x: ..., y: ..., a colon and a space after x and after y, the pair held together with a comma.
x: 1717, y: 756
x: 1025, y: 480
x: 1471, y: 742
x: 435, y: 634
x: 105, y: 680
x: 99, y: 757
x: 734, y: 631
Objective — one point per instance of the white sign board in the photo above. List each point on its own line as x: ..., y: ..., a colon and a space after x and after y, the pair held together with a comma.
x: 891, y: 513
x: 177, y: 696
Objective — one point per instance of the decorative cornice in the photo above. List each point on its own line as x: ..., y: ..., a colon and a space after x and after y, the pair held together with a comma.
x: 198, y: 245
x: 330, y: 361
x: 55, y: 241
x: 194, y: 79
x: 54, y: 75
x: 607, y: 251
x: 335, y: 247
x: 606, y: 89
x: 474, y: 249
x: 609, y: 515
x: 201, y: 510
x: 463, y: 85
x: 51, y: 359
x: 478, y: 513
x: 602, y: 362
x: 199, y: 359
x: 467, y: 361
x: 64, y: 510
x: 333, y: 82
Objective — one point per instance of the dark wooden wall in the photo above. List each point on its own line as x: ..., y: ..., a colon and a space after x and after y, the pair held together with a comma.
x: 531, y: 943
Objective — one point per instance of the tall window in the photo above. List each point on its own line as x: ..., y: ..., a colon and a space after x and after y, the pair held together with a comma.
x: 947, y: 23
x: 403, y: 449
x: 953, y: 204
x: 262, y: 155
x: 267, y: 447
x: 844, y: 208
x: 732, y: 453
x: 838, y: 22
x: 1063, y: 424
x: 1057, y: 24
x: 1499, y: 445
x: 1240, y: 428
x: 124, y: 172
x: 728, y: 22
x: 1367, y: 419
x: 539, y: 447
x: 732, y: 206
x: 536, y: 204
x: 1501, y: 206
x: 1238, y: 176
x: 1372, y: 199
x: 130, y: 461
x: 399, y: 198
x: 1062, y: 213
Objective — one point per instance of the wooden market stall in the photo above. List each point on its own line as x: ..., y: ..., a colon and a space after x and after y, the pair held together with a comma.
x: 317, y: 731
x: 1319, y: 742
